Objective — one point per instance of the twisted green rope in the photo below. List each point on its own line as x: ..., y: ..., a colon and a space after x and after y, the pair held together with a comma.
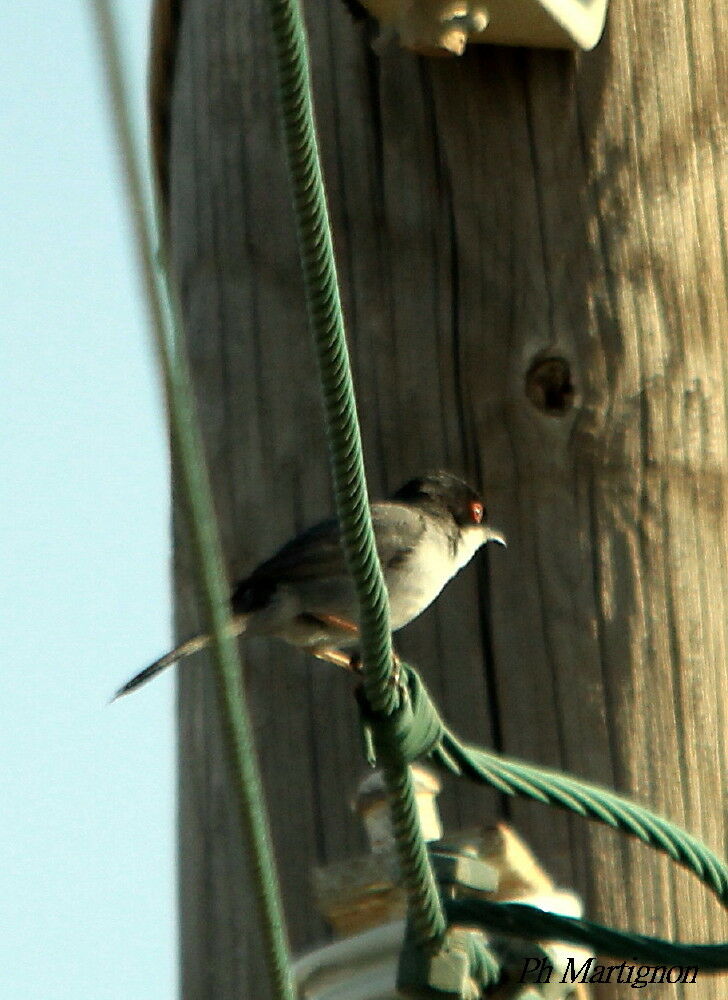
x: 327, y: 326
x: 592, y: 801
x: 325, y: 316
x: 166, y: 325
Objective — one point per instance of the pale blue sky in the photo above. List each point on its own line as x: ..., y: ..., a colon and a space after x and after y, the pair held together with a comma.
x: 87, y: 841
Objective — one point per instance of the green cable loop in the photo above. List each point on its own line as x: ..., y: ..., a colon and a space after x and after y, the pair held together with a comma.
x: 186, y: 442
x: 352, y: 505
x: 592, y: 801
x: 420, y: 732
x: 531, y: 922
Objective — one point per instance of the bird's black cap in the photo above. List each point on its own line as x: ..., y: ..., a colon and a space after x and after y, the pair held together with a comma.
x: 444, y: 492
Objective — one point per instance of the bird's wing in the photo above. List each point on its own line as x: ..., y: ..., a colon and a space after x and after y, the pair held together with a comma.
x: 316, y: 554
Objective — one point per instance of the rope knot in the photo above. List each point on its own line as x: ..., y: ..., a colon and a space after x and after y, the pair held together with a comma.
x: 412, y: 730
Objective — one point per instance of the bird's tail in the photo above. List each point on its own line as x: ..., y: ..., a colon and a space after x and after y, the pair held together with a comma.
x: 186, y: 648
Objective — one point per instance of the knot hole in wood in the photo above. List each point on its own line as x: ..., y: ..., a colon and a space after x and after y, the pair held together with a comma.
x: 549, y: 386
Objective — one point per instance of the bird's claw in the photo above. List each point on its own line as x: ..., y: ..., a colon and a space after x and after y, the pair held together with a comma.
x: 395, y: 678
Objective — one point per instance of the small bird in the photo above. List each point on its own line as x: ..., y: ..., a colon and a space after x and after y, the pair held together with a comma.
x: 425, y: 533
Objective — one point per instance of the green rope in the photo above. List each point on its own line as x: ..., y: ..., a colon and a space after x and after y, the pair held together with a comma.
x: 516, y: 778
x: 325, y: 316
x: 188, y: 449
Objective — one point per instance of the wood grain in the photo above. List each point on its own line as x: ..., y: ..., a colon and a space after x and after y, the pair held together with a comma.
x: 489, y: 213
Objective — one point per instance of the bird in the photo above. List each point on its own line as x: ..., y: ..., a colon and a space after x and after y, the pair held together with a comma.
x: 425, y: 533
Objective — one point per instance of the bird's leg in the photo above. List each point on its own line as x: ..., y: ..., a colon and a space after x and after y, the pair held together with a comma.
x: 352, y: 661
x: 341, y: 623
x: 332, y: 655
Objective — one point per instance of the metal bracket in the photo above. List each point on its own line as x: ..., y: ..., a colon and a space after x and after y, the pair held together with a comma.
x: 445, y: 27
x: 462, y: 871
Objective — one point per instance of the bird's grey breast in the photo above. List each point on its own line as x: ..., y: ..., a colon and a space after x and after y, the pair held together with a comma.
x: 415, y: 553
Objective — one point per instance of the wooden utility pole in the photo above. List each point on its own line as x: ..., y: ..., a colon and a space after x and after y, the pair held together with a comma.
x: 532, y: 253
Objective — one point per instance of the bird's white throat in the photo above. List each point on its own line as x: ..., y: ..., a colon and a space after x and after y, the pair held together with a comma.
x: 472, y: 537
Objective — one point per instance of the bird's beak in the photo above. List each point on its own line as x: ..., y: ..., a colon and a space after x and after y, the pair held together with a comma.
x: 493, y: 535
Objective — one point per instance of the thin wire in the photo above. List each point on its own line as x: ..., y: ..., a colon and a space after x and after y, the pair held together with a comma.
x: 187, y: 444
x: 344, y: 437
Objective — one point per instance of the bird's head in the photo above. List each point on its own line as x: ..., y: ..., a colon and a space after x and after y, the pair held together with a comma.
x: 445, y: 494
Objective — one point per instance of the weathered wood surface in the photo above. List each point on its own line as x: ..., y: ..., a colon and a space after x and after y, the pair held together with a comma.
x: 488, y: 212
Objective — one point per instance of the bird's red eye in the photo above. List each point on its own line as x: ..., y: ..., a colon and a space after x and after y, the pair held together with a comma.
x: 476, y: 511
